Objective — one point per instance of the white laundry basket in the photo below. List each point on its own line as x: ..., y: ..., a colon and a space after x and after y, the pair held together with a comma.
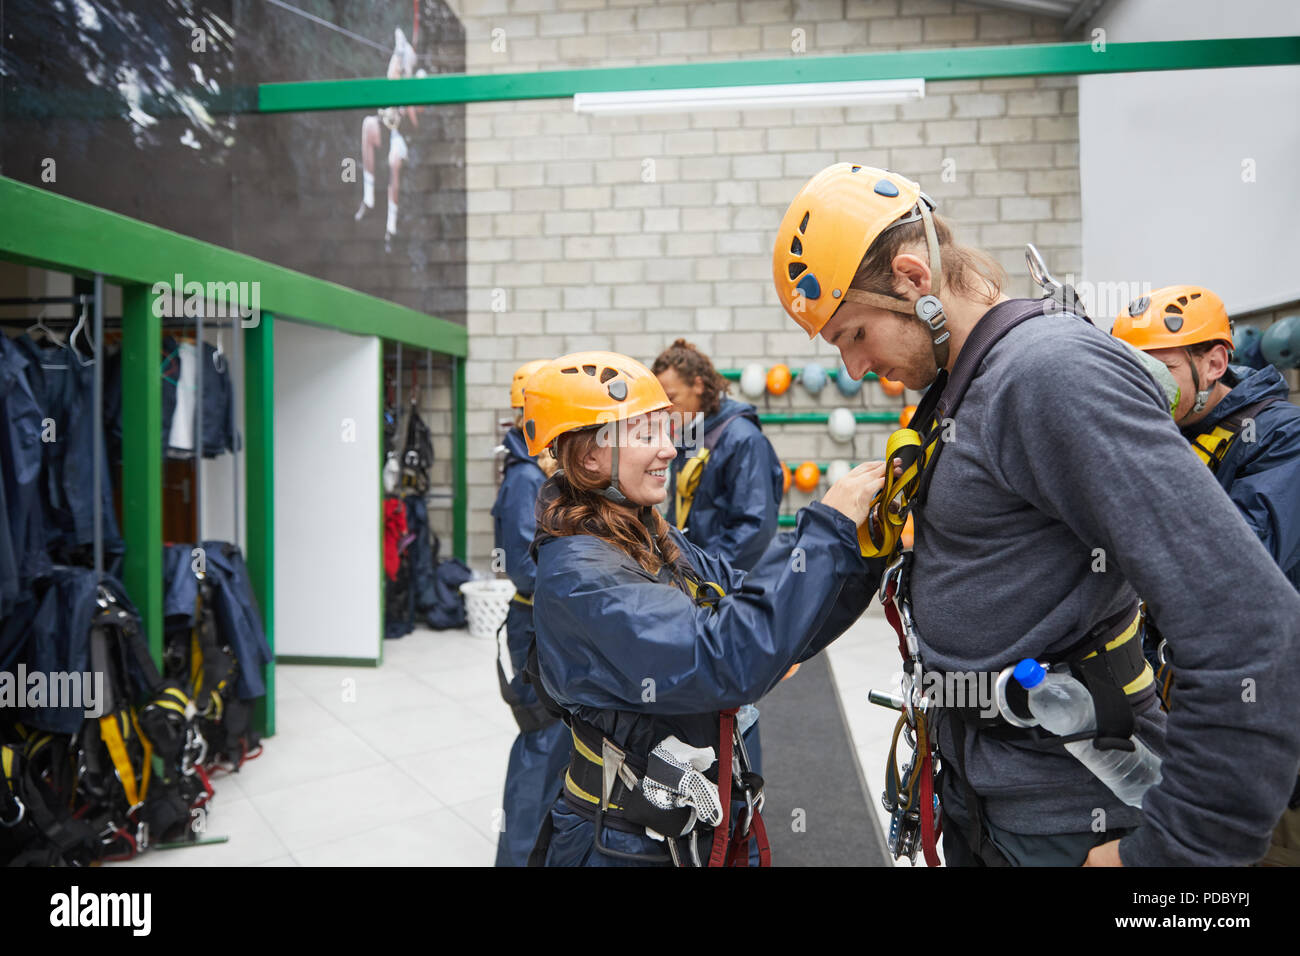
x: 486, y: 604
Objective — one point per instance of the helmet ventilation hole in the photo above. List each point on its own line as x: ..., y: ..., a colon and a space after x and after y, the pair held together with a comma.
x: 1182, y: 300
x: 796, y: 247
x: 568, y: 371
x: 796, y: 270
x: 606, y: 375
x: 589, y: 369
x: 1171, y: 308
x: 803, y: 225
x: 530, y: 426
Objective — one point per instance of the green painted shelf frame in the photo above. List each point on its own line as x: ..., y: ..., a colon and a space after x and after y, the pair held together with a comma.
x: 42, y: 229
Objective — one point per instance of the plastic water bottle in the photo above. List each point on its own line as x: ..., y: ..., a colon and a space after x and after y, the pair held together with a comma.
x: 1063, y: 706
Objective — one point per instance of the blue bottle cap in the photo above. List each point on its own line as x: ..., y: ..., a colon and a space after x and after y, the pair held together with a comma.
x: 1028, y: 673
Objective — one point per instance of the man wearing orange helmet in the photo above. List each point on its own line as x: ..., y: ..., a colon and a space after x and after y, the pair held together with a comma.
x: 1041, y: 464
x: 1240, y: 423
x: 541, y: 751
x: 647, y: 644
x: 1238, y: 419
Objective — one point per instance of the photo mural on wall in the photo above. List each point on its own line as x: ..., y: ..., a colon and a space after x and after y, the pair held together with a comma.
x: 146, y: 107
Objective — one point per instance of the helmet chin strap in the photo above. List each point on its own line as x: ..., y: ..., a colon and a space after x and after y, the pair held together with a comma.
x: 611, y: 492
x: 1202, y: 394
x: 928, y: 308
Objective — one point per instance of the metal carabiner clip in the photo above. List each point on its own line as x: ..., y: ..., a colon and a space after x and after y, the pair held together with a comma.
x: 22, y: 812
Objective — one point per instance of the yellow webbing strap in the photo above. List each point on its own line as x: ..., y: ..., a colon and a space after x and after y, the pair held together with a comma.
x: 522, y: 600
x: 695, y: 588
x: 1143, y: 680
x: 688, y: 482
x: 7, y: 763
x: 893, y: 500
x: 196, y: 662
x: 112, y: 735
x: 1212, y: 446
x: 587, y: 754
x: 147, y: 759
x: 586, y: 751
x: 581, y: 794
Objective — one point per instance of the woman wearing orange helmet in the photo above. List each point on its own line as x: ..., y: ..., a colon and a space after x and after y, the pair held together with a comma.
x: 647, y: 644
x: 1044, y: 460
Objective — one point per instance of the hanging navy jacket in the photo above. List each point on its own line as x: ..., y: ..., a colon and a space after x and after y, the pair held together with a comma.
x: 22, y: 534
x: 64, y: 392
x: 1263, y: 476
x: 734, y: 512
x: 639, y: 660
x: 239, y: 622
x: 59, y: 636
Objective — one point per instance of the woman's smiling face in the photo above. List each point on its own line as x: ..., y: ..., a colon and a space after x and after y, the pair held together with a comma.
x: 645, y: 451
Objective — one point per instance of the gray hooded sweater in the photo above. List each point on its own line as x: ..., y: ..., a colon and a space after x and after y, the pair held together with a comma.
x: 1064, y: 461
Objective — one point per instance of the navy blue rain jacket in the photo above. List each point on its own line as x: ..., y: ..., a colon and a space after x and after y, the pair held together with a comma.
x: 58, y: 630
x: 606, y: 629
x: 1263, y: 477
x: 22, y: 533
x: 239, y: 622
x: 734, y: 514
x: 538, y: 759
x: 64, y: 393
x: 513, y: 520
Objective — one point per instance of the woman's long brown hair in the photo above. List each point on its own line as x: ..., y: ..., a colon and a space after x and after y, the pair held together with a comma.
x: 577, y: 507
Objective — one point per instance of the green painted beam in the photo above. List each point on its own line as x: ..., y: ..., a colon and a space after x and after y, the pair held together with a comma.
x: 964, y: 63
x: 142, y: 471
x: 809, y: 418
x: 259, y: 477
x: 44, y: 229
x: 460, y: 486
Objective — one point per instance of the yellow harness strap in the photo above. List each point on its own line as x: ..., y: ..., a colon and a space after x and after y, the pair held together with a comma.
x: 522, y: 600
x: 1212, y: 446
x: 7, y: 763
x: 1147, y: 677
x: 688, y: 482
x: 588, y: 754
x: 112, y: 735
x: 893, y: 501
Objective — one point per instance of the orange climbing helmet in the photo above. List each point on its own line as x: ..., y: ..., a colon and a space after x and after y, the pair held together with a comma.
x: 521, y: 376
x: 827, y: 231
x: 1174, y: 317
x: 584, y: 389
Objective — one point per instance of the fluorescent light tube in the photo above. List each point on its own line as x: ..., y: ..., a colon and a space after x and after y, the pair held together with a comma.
x: 813, y: 95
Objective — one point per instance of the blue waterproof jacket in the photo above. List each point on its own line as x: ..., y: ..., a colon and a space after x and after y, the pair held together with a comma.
x: 735, y: 506
x: 1263, y: 476
x: 63, y: 388
x: 639, y: 660
x: 22, y: 530
x: 537, y: 759
x: 239, y: 621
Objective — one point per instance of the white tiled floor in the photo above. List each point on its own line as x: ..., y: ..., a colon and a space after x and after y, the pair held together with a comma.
x: 405, y: 764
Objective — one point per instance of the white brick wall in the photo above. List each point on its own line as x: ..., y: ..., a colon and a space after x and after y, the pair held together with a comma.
x: 628, y: 232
